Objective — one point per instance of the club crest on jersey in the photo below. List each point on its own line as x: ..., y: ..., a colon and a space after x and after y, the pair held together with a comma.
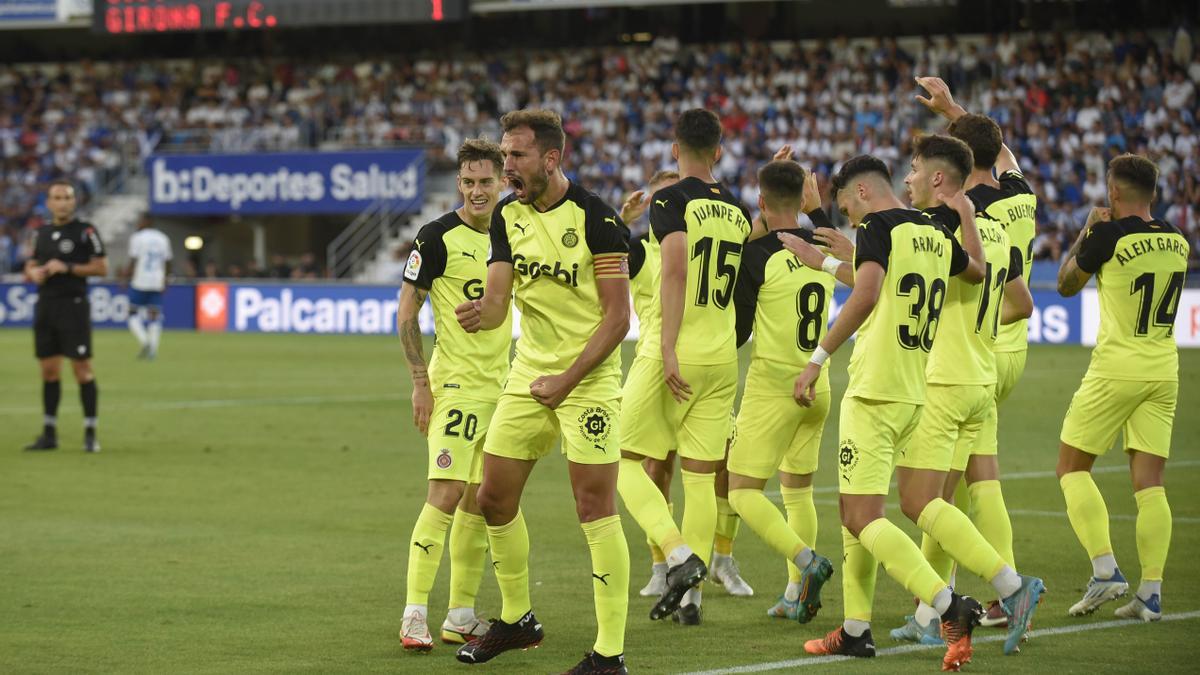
x: 596, y: 424
x: 444, y: 460
x: 570, y: 239
x: 847, y: 458
x: 66, y: 245
x: 412, y: 269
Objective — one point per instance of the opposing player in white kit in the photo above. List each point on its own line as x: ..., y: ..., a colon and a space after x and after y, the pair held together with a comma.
x: 149, y: 258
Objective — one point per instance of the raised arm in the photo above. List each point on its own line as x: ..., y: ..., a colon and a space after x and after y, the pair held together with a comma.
x: 491, y: 310
x: 1071, y: 276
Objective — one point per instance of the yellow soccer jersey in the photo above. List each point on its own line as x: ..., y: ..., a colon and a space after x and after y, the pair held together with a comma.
x: 786, y: 305
x: 918, y: 257
x: 449, y: 260
x: 717, y: 226
x: 645, y: 279
x: 963, y: 352
x: 1013, y: 204
x: 1140, y: 268
x: 557, y: 256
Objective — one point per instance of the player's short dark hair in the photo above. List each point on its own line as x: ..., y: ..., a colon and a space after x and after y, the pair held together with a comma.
x: 60, y: 182
x: 546, y: 125
x: 982, y: 135
x: 946, y: 149
x: 781, y: 182
x: 1136, y: 172
x: 663, y: 176
x: 698, y: 130
x: 480, y: 150
x: 855, y: 167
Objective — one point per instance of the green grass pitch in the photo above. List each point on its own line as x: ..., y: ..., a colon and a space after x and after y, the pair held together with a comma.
x: 251, y: 508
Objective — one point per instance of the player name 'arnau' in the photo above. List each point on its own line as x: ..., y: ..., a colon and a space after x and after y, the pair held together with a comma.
x: 935, y: 245
x: 1168, y: 244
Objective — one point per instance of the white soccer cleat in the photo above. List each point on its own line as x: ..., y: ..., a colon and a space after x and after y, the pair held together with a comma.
x: 1146, y: 610
x: 414, y: 633
x: 1100, y: 591
x: 725, y: 572
x: 461, y: 634
x: 658, y: 582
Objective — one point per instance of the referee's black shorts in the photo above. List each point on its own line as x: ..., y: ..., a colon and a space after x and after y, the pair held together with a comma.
x: 62, y: 327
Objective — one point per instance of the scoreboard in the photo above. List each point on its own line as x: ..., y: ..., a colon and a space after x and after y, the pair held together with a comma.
x: 131, y: 17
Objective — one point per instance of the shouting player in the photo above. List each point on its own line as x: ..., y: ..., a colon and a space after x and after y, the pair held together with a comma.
x: 565, y: 253
x: 453, y: 396
x: 1131, y: 384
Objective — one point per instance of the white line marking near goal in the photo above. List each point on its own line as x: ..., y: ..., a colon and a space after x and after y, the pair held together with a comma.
x: 892, y: 651
x: 230, y: 403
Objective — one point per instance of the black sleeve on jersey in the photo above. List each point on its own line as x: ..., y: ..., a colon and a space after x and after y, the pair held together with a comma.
x: 1016, y: 264
x: 1098, y: 246
x: 819, y: 218
x: 428, y: 256
x: 945, y: 216
x: 873, y: 242
x: 501, y: 249
x: 91, y: 238
x: 745, y: 293
x: 605, y: 231
x: 637, y: 256
x: 666, y: 212
x: 1014, y: 183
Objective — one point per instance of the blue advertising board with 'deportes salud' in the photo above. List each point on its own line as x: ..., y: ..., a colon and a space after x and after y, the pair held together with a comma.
x: 285, y: 182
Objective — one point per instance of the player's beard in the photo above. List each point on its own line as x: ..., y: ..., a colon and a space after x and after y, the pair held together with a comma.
x: 528, y: 191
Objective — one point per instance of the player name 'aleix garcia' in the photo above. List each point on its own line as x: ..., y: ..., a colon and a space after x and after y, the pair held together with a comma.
x: 1168, y: 244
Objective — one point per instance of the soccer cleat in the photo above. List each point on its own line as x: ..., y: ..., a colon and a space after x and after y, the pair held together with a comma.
x: 957, y: 624
x: 1146, y: 610
x: 785, y: 609
x: 600, y: 665
x: 90, y: 442
x: 841, y: 643
x: 687, y: 615
x: 501, y: 637
x: 453, y: 633
x: 43, y: 442
x: 679, y: 579
x: 1020, y: 607
x: 726, y: 573
x: 995, y: 617
x: 912, y: 631
x: 812, y: 578
x: 658, y: 582
x: 414, y: 633
x: 1100, y: 591
x: 144, y: 353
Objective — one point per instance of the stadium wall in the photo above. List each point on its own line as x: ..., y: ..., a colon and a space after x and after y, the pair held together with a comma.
x: 235, y: 307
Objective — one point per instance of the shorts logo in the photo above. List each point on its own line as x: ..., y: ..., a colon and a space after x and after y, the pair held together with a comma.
x: 847, y: 458
x: 444, y: 460
x: 595, y: 424
x: 570, y: 239
x: 66, y: 245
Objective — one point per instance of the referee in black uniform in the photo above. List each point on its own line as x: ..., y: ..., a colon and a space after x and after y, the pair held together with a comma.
x: 66, y: 253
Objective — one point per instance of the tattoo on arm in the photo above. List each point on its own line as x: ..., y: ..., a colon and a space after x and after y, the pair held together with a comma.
x: 1071, y: 279
x: 410, y: 335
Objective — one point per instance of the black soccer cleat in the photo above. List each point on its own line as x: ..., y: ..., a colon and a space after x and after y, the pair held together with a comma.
x: 679, y: 579
x: 840, y: 643
x: 43, y: 442
x: 687, y: 615
x: 90, y: 442
x: 958, y: 623
x: 500, y: 637
x: 600, y: 665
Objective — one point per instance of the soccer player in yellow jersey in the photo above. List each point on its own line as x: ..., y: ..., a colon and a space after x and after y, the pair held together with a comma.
x: 1132, y: 383
x: 453, y: 397
x: 903, y: 260
x: 701, y: 229
x: 564, y: 253
x: 785, y: 302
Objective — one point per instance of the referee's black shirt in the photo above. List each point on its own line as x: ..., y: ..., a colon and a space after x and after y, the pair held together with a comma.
x: 74, y: 243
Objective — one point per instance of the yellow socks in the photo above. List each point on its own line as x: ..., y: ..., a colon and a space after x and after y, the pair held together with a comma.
x: 647, y: 505
x: 425, y: 553
x: 1087, y: 512
x: 510, y: 557
x: 802, y: 518
x: 938, y: 559
x: 727, y: 527
x: 900, y: 558
x: 610, y: 582
x: 990, y: 516
x: 699, y: 512
x: 1153, y: 531
x: 951, y: 528
x: 767, y: 522
x: 468, y: 550
x: 858, y: 578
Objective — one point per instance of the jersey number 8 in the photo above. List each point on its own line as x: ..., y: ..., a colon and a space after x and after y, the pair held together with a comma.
x: 925, y: 310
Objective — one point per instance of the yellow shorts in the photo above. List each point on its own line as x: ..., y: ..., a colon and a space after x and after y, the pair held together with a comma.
x: 988, y: 442
x: 698, y: 428
x: 457, y: 429
x: 871, y: 433
x: 778, y: 435
x: 1142, y: 411
x: 645, y: 405
x: 950, y: 425
x: 522, y: 428
x: 1009, y: 367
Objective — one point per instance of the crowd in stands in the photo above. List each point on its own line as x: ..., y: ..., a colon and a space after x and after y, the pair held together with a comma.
x: 1066, y: 102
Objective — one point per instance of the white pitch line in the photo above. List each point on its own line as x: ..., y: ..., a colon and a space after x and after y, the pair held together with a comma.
x: 230, y: 403
x: 892, y: 651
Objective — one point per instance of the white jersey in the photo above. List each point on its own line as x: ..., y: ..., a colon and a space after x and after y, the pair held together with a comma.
x: 152, y: 250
